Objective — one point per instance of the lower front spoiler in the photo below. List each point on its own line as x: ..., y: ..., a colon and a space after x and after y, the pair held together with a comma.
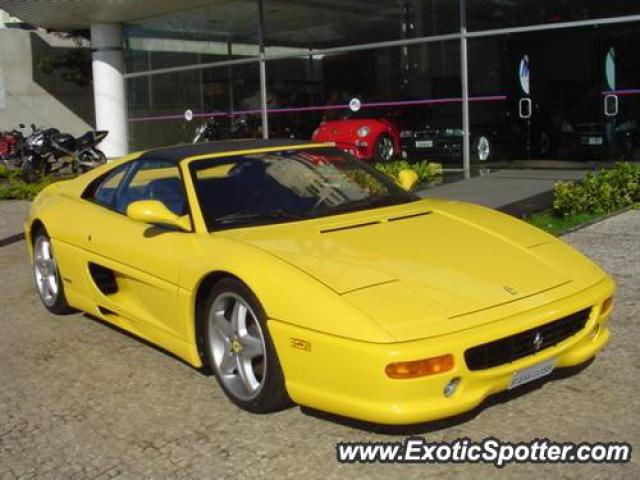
x: 347, y: 378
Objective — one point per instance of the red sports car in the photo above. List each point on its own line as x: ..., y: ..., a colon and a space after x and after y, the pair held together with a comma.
x: 361, y: 134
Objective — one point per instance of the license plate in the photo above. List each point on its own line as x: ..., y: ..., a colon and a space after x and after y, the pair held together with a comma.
x: 532, y: 373
x: 592, y: 140
x: 424, y: 143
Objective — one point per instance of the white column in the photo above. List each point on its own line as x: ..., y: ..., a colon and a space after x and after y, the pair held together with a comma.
x: 109, y: 89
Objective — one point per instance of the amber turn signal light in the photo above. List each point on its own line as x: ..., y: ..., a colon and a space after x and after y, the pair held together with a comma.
x: 606, y: 305
x: 420, y: 368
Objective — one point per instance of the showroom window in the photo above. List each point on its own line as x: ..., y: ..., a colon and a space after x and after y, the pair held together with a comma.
x: 315, y: 24
x: 557, y: 81
x: 413, y: 88
x: 492, y: 14
x: 228, y: 97
x: 569, y: 94
x: 219, y: 32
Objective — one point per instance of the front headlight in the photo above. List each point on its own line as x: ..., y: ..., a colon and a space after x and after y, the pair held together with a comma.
x: 627, y: 126
x: 566, y: 127
x: 35, y: 141
x: 453, y: 132
x: 363, y: 131
x: 406, y: 133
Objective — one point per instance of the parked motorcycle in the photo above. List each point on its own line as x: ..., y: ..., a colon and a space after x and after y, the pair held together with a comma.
x: 211, y: 129
x: 11, y: 144
x: 207, y: 131
x: 48, y: 150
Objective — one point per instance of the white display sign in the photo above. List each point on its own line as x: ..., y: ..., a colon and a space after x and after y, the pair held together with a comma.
x: 610, y: 68
x: 524, y: 73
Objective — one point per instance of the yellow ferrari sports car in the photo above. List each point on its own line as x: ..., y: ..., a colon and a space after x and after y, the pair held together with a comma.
x: 297, y: 274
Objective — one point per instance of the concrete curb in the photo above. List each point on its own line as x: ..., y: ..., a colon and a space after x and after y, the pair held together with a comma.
x: 594, y: 221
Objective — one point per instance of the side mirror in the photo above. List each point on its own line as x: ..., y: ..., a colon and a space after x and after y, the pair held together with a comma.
x: 407, y: 179
x: 155, y: 213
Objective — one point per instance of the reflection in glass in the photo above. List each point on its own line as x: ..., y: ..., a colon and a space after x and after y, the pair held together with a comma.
x: 227, y: 97
x: 491, y: 14
x: 222, y: 31
x: 315, y: 24
x: 288, y: 186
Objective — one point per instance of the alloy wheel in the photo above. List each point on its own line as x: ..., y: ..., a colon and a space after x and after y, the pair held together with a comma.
x: 45, y: 271
x: 483, y: 149
x: 237, y: 344
x: 385, y: 148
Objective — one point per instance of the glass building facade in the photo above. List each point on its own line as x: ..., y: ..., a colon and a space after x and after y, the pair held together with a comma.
x: 460, y: 81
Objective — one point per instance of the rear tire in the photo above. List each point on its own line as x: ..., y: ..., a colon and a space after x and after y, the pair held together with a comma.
x: 240, y: 351
x: 482, y: 149
x: 29, y: 174
x: 46, y: 276
x: 384, y: 150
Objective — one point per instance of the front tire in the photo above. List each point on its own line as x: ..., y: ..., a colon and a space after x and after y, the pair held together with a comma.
x: 47, y: 277
x: 100, y: 157
x: 544, y: 145
x: 91, y: 159
x: 240, y: 351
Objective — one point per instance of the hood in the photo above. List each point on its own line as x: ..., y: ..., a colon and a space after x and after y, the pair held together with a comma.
x: 345, y: 131
x: 418, y: 253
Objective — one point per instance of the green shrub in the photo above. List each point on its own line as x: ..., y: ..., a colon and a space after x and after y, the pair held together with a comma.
x: 426, y: 170
x: 600, y: 192
x: 6, y: 173
x: 16, y: 189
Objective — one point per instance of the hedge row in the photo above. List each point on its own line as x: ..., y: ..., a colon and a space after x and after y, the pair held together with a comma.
x: 600, y: 192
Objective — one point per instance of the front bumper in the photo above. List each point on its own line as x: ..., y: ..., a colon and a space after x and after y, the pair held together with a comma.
x: 440, y: 147
x: 347, y: 377
x: 362, y: 150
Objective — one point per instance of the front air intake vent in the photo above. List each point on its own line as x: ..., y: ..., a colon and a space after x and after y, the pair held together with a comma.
x: 104, y: 278
x: 349, y: 227
x: 523, y: 344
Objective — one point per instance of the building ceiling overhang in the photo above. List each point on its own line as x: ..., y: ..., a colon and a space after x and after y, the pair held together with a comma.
x: 79, y: 14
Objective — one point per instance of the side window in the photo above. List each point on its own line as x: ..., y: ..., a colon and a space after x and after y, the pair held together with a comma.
x: 152, y: 180
x: 104, y: 192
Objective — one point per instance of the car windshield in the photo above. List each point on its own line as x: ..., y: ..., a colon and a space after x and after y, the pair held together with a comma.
x: 285, y: 186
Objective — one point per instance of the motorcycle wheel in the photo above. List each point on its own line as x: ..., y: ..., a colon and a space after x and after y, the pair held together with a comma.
x: 30, y: 173
x: 100, y: 157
